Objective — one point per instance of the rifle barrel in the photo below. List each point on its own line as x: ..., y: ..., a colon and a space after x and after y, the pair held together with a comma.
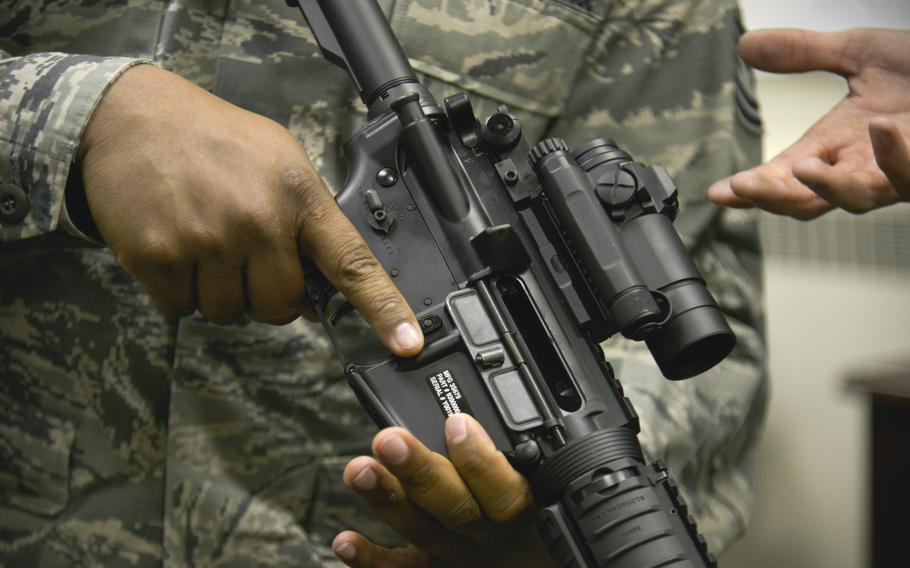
x: 356, y: 34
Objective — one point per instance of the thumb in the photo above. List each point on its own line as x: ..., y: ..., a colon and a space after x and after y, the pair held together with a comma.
x: 892, y: 154
x: 796, y: 50
x: 343, y: 257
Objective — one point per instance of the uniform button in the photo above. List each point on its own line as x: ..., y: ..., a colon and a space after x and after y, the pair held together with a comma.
x: 14, y: 204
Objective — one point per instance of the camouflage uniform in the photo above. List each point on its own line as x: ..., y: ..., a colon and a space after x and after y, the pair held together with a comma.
x: 133, y: 439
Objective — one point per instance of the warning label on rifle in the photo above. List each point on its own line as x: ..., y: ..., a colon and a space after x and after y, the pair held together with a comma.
x: 448, y: 394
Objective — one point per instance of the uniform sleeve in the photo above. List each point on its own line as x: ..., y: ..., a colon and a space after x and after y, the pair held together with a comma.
x: 46, y: 100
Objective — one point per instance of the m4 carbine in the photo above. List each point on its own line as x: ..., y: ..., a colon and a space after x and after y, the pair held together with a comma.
x: 518, y: 262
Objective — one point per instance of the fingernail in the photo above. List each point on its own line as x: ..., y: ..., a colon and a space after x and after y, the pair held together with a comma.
x: 718, y: 191
x: 746, y: 179
x: 346, y: 551
x: 394, y: 450
x: 406, y: 336
x: 456, y: 428
x: 365, y: 479
x: 879, y: 138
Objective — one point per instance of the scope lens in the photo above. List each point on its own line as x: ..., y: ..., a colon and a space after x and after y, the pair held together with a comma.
x: 692, y: 342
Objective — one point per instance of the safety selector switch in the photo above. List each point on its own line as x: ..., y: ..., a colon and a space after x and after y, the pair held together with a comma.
x: 381, y: 219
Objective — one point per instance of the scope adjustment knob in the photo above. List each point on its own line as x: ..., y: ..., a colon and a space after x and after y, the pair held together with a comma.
x: 545, y: 147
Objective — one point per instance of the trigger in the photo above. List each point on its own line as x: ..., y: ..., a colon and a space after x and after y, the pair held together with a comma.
x: 342, y: 310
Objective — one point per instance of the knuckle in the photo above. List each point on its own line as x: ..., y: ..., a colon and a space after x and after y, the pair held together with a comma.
x: 509, y: 507
x: 220, y: 312
x: 474, y: 465
x: 861, y: 203
x: 151, y: 252
x: 305, y: 188
x: 176, y: 310
x: 855, y: 207
x: 804, y: 215
x: 203, y: 242
x: 278, y: 310
x: 276, y: 315
x: 301, y: 181
x: 314, y: 215
x: 253, y: 221
x: 422, y: 479
x: 464, y: 513
x: 808, y: 210
x: 387, y: 501
x: 221, y: 318
x: 384, y: 303
x: 356, y: 264
x: 275, y: 291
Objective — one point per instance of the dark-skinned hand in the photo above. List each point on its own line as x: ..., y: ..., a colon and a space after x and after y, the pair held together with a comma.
x: 211, y: 207
x: 471, y: 511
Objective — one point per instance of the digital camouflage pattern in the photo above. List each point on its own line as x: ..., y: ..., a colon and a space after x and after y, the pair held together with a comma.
x: 129, y: 439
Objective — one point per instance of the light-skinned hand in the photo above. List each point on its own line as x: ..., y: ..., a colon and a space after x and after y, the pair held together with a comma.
x: 211, y: 207
x: 857, y: 156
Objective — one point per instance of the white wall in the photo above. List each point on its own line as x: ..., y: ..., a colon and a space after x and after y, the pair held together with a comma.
x: 812, y: 489
x: 826, y: 15
x: 824, y: 322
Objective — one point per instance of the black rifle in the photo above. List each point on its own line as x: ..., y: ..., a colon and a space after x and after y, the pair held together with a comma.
x: 518, y: 262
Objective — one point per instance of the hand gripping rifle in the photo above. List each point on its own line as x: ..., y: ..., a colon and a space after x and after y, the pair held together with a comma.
x: 518, y: 262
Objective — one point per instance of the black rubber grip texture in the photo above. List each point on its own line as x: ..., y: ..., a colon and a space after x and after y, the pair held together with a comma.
x: 630, y: 528
x: 583, y: 456
x: 639, y: 522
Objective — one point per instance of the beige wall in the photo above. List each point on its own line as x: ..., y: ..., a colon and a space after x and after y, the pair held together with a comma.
x: 824, y: 322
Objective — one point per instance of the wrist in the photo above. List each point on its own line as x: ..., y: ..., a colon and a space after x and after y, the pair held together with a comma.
x: 122, y: 95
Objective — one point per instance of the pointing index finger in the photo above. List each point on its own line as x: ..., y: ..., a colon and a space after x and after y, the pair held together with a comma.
x: 796, y: 50
x: 342, y: 255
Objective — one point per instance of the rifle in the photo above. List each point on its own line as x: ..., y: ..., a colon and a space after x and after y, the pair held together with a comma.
x: 518, y: 262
